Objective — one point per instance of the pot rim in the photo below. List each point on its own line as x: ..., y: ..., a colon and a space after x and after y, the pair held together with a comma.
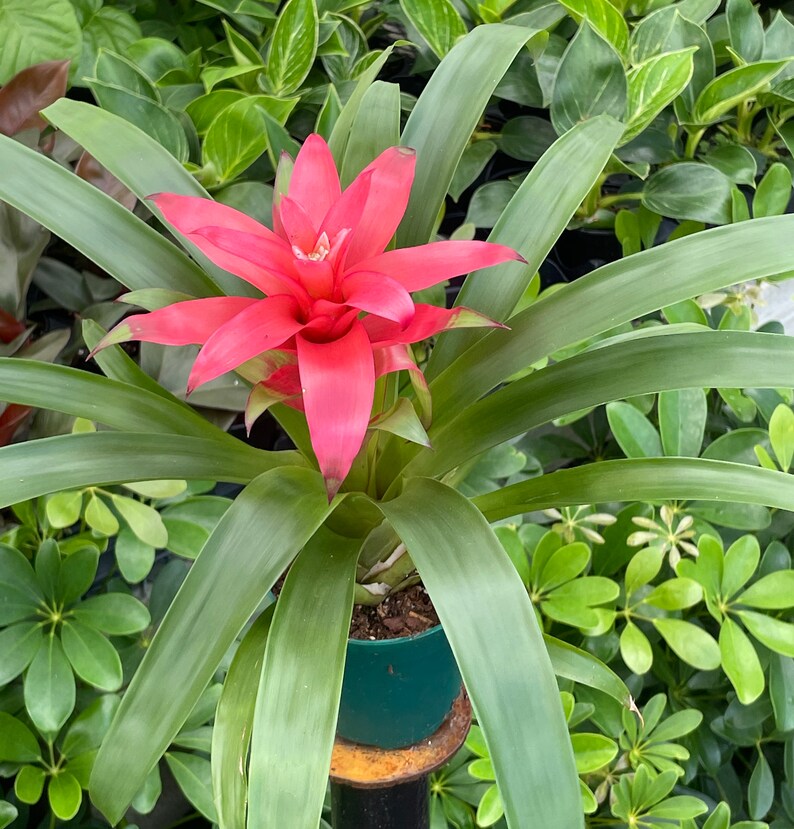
x: 399, y: 640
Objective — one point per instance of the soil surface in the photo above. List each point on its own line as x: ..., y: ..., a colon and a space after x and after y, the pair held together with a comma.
x: 404, y: 614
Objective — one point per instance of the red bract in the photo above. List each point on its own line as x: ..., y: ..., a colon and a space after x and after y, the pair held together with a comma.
x: 337, y: 311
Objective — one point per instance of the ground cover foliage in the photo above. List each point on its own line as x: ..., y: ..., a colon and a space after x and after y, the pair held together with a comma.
x: 688, y: 602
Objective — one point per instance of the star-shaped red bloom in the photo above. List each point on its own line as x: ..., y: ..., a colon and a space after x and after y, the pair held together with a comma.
x: 337, y: 311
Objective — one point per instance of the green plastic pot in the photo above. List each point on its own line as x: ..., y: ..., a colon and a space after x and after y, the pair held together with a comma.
x: 398, y: 691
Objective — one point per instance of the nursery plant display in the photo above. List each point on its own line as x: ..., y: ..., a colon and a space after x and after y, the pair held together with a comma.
x: 387, y: 449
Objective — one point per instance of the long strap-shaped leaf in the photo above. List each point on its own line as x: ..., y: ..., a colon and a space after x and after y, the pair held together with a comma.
x: 98, y: 226
x: 642, y: 479
x: 530, y: 224
x: 118, y: 365
x: 259, y: 535
x: 234, y: 717
x: 446, y: 114
x: 116, y: 404
x: 493, y: 632
x: 616, y: 293
x: 38, y: 467
x: 298, y: 698
x: 730, y: 359
x: 579, y: 666
x: 140, y: 163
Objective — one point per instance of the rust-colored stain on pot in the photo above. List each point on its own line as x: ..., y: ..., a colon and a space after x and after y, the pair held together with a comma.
x: 368, y: 767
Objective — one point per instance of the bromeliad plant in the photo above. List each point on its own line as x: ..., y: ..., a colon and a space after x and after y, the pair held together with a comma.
x: 274, y: 728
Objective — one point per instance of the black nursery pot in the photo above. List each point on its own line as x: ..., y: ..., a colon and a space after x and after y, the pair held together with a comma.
x: 397, y: 692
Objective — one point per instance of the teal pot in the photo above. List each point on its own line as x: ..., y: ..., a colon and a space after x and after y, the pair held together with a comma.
x: 396, y: 692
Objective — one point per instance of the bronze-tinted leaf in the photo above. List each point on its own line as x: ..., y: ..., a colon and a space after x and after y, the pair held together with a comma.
x: 28, y: 92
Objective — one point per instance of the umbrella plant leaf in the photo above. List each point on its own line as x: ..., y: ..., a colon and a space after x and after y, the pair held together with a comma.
x: 19, y: 644
x: 49, y: 687
x: 740, y: 662
x: 115, y: 613
x: 17, y: 743
x: 91, y: 656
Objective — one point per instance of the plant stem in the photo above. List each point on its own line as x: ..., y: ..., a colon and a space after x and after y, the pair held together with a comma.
x: 608, y: 201
x: 692, y: 142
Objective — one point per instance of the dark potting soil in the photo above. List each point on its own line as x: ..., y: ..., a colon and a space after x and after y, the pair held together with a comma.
x: 404, y: 614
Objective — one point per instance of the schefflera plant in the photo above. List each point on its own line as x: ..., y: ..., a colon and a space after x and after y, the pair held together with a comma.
x: 275, y: 724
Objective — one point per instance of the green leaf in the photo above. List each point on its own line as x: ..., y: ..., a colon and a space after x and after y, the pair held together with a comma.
x: 654, y: 84
x: 20, y: 593
x: 192, y: 774
x: 432, y: 519
x: 774, y: 191
x: 19, y: 644
x: 741, y: 562
x: 643, y: 568
x: 35, y: 31
x: 403, y: 421
x: 293, y: 46
x: 490, y: 808
x: 77, y: 574
x: 100, y: 517
x: 106, y: 28
x: 115, y: 613
x: 735, y: 161
x: 65, y: 795
x: 64, y: 508
x: 605, y: 18
x: 781, y: 435
x: 29, y: 784
x: 592, y: 751
x: 675, y: 594
x: 145, y: 167
x: 49, y: 687
x: 774, y: 633
x: 635, y: 434
x: 134, y: 557
x: 8, y: 814
x: 678, y: 808
x: 38, y: 467
x: 761, y: 789
x: 648, y: 480
x: 92, y: 657
x: 86, y: 732
x: 154, y: 118
x: 781, y: 690
x: 139, y: 255
x: 143, y: 520
x: 437, y: 21
x: 689, y: 191
x: 682, y: 421
x: 771, y: 592
x: 231, y: 735
x: 234, y: 140
x: 300, y: 685
x: 446, y: 114
x: 579, y: 666
x: 564, y: 564
x: 116, y: 404
x: 613, y: 294
x: 253, y: 543
x: 17, y: 743
x: 740, y: 662
x: 375, y: 129
x: 745, y: 29
x: 690, y: 643
x: 580, y: 155
x: 635, y: 649
x: 590, y: 81
x: 729, y: 89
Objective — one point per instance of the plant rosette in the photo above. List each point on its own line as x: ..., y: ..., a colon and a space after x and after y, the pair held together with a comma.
x: 276, y: 719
